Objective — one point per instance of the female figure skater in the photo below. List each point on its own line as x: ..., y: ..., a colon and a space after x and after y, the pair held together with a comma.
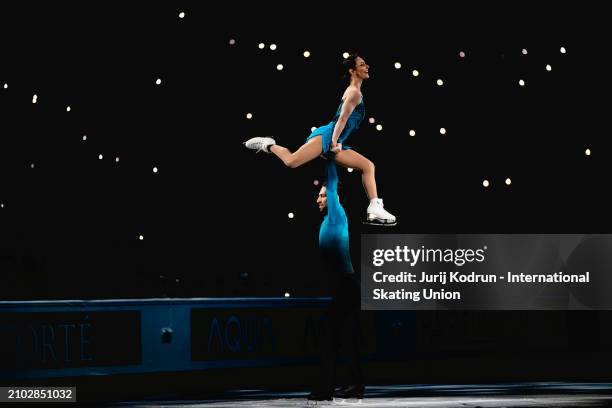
x: 332, y: 136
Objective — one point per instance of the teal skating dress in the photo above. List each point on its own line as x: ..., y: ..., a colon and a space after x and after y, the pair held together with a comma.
x: 352, y: 124
x: 334, y: 233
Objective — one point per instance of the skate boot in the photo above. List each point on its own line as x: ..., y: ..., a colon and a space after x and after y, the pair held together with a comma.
x: 320, y: 395
x: 260, y: 143
x: 377, y: 215
x: 350, y: 392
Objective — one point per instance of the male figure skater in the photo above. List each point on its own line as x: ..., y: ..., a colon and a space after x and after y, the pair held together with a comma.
x: 345, y: 290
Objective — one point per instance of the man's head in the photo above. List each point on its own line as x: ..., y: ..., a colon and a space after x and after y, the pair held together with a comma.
x: 322, y: 197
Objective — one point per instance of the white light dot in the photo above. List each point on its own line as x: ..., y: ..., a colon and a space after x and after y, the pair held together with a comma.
x: 415, y: 73
x: 312, y: 129
x: 562, y: 50
x: 1, y: 205
x: 100, y: 156
x: 315, y: 182
x: 84, y: 137
x: 249, y: 115
x: 524, y: 51
x: 508, y: 181
x: 412, y: 133
x: 279, y: 67
x: 34, y: 98
x: 261, y: 46
x: 154, y: 169
x: 158, y: 81
x: 287, y: 294
x: 140, y: 237
x: 379, y: 127
x: 67, y: 108
x: 232, y: 41
x: 398, y: 65
x: 442, y: 131
x: 5, y: 86
x: 32, y: 165
x: 440, y: 82
x: 462, y: 54
x: 290, y: 215
x: 521, y: 82
x: 548, y: 67
x: 345, y: 55
x: 306, y: 54
x: 485, y: 183
x: 117, y: 159
x: 372, y: 120
x: 587, y: 152
x: 181, y: 14
x: 272, y: 47
x: 350, y: 169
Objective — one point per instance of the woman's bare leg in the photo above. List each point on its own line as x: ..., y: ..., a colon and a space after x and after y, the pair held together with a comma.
x: 352, y: 159
x: 304, y: 154
x: 376, y: 213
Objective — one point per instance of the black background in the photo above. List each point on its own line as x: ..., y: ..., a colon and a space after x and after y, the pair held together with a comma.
x: 69, y: 227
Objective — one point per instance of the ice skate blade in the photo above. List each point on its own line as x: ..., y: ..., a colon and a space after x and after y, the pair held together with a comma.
x: 379, y: 224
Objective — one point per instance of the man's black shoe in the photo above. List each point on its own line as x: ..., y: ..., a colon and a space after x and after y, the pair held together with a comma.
x: 321, y: 395
x: 350, y: 391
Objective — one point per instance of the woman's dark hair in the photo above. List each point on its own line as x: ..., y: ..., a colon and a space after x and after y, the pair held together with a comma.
x: 350, y: 63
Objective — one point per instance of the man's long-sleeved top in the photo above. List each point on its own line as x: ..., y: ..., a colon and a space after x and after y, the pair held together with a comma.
x: 334, y: 235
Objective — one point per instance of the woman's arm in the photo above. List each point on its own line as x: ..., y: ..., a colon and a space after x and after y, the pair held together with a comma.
x: 351, y: 101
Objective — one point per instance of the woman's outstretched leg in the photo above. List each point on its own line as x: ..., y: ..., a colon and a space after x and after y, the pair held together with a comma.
x: 352, y: 159
x: 304, y: 154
